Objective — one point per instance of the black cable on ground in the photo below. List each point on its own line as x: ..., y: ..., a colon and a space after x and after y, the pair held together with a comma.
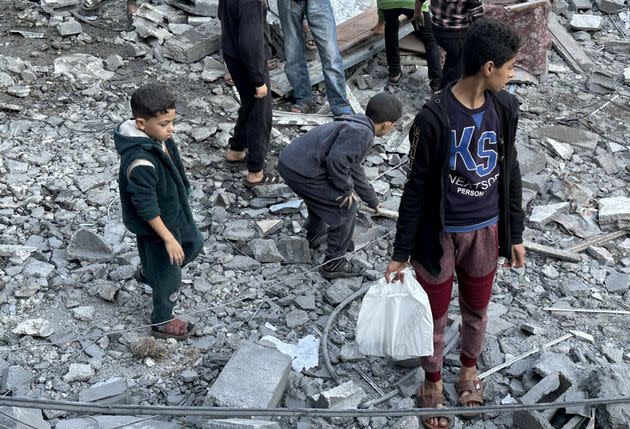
x: 222, y: 412
x: 331, y: 319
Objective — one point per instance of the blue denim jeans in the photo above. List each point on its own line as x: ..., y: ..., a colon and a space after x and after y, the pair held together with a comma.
x: 321, y: 21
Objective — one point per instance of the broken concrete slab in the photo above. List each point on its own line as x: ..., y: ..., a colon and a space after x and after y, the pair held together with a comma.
x: 34, y: 327
x: 289, y: 207
x: 541, y: 215
x: 240, y: 424
x: 582, y: 141
x: 345, y: 396
x: 239, y: 230
x: 113, y: 422
x: 272, y: 191
x: 16, y: 252
x: 195, y: 43
x: 242, y: 263
x: 614, y: 211
x: 617, y: 282
x: 69, y: 28
x: 337, y: 292
x: 265, y: 250
x: 197, y: 7
x: 78, y: 372
x: 587, y: 22
x: 87, y: 246
x: 254, y: 377
x: 81, y: 67
x: 295, y: 250
x: 268, y: 226
x: 15, y: 378
x: 112, y: 391
x: 563, y: 150
x: 610, y: 6
x: 22, y: 418
x: 612, y: 381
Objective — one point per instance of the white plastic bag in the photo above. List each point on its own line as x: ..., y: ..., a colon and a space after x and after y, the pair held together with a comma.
x: 395, y: 320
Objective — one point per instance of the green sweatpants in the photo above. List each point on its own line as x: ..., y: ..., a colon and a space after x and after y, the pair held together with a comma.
x: 163, y: 277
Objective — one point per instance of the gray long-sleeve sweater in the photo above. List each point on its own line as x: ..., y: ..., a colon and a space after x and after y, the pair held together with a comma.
x: 334, y: 152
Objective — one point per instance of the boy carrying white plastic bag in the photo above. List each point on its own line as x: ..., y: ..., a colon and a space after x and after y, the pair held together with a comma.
x: 395, y: 320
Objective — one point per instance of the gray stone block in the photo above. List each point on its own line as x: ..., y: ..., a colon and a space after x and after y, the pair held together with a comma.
x: 239, y: 230
x: 112, y: 391
x: 272, y: 191
x: 111, y: 422
x: 614, y: 210
x: 240, y: 424
x: 197, y: 7
x: 294, y: 250
x: 265, y: 250
x: 255, y: 377
x: 337, y: 292
x: 617, y: 282
x: 345, y: 396
x: 611, y: 382
x: 15, y: 377
x: 541, y: 215
x: 87, y: 246
x: 242, y: 263
x: 531, y: 420
x: 22, y: 418
x: 587, y: 22
x: 194, y: 44
x: 582, y: 141
x: 69, y: 28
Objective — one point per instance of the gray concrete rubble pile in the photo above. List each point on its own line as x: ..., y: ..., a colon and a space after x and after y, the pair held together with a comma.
x: 73, y: 321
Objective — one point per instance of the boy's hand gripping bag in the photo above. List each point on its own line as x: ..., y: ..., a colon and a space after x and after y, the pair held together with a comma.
x: 395, y: 320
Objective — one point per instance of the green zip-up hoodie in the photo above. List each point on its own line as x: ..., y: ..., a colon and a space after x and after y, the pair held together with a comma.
x: 151, y: 182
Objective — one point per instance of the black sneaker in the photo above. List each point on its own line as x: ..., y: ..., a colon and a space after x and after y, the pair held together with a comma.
x: 138, y: 275
x: 340, y: 268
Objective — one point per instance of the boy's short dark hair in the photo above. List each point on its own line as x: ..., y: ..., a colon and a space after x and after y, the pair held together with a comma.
x: 384, y: 107
x: 488, y: 40
x: 151, y: 100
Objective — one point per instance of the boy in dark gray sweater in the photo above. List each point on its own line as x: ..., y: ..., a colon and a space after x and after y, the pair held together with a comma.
x: 324, y: 168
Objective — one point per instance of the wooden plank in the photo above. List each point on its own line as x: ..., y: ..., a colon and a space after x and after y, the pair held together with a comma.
x: 597, y: 240
x: 567, y: 47
x: 552, y: 251
x: 356, y: 29
x: 374, y: 44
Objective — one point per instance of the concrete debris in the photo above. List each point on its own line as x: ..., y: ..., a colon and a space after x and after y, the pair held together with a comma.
x: 343, y: 397
x: 111, y: 422
x: 87, y: 246
x: 69, y: 28
x: 581, y: 141
x: 541, y: 215
x: 22, y: 418
x: 240, y: 424
x: 34, y: 327
x: 195, y: 43
x: 67, y: 302
x: 587, y: 22
x: 81, y: 67
x: 112, y: 391
x: 254, y: 377
x: 615, y: 211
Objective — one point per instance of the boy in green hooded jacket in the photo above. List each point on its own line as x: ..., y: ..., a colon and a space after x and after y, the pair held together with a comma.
x: 154, y: 195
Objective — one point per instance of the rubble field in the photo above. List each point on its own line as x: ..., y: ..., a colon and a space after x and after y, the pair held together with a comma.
x: 74, y: 322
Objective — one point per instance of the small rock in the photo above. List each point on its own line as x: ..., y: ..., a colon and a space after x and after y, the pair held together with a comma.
x: 85, y: 313
x: 265, y: 250
x: 587, y: 22
x: 69, y: 28
x: 78, y: 372
x: 618, y: 282
x: 296, y: 318
x: 35, y: 328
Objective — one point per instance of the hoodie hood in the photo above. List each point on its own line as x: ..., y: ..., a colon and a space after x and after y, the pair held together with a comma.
x: 127, y: 136
x: 359, y: 119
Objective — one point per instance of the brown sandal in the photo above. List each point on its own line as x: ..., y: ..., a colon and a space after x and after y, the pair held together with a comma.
x: 474, y: 389
x: 432, y: 400
x: 168, y: 329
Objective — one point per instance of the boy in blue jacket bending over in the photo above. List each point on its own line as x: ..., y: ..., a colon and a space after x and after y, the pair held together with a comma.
x: 154, y: 195
x: 324, y: 168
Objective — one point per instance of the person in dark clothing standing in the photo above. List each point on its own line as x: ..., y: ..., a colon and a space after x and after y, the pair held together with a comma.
x: 246, y: 51
x: 323, y: 167
x: 451, y: 19
x: 154, y: 195
x: 461, y: 206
